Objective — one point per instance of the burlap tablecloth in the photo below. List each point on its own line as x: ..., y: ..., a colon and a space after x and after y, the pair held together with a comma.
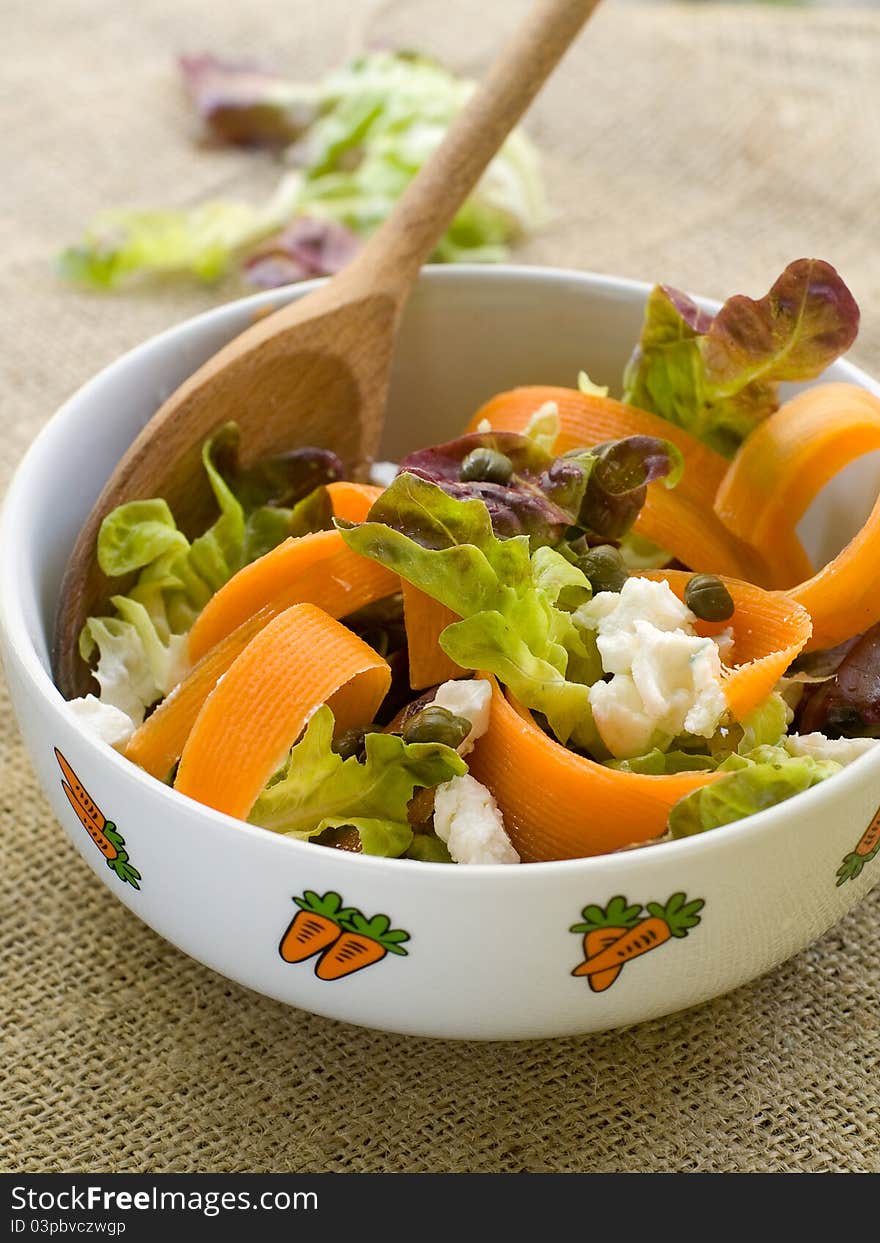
x: 704, y: 146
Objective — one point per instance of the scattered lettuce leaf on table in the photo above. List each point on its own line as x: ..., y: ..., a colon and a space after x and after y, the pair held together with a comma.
x: 201, y: 241
x: 718, y: 376
x: 304, y: 250
x: 356, y: 137
x: 245, y: 104
x: 318, y: 789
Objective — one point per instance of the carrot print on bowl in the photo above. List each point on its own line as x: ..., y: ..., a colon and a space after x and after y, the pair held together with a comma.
x: 866, y: 848
x: 616, y: 934
x: 342, y: 937
x: 102, y: 831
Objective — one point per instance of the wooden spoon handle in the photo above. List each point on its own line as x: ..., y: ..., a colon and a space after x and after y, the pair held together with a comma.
x: 409, y: 236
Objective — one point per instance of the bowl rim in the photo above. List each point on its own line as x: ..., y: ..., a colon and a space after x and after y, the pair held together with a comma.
x: 15, y: 634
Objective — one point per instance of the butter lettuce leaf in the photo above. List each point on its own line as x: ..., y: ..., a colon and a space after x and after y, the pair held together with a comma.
x: 764, y: 778
x: 718, y: 376
x: 141, y: 650
x: 511, y: 625
x: 318, y: 789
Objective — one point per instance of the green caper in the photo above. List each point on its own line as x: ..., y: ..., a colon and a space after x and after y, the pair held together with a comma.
x: 436, y: 724
x: 708, y: 598
x: 605, y: 567
x: 350, y: 742
x: 486, y: 466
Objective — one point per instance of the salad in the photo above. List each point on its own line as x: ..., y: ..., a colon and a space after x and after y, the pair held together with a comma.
x: 583, y: 625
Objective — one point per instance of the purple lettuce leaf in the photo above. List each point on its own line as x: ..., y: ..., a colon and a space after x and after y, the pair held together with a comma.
x: 618, y: 483
x: 846, y: 705
x: 305, y: 249
x: 244, y: 104
x: 281, y: 481
x: 718, y: 377
x: 599, y: 491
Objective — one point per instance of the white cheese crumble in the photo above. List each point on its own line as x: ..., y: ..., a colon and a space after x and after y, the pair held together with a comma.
x: 103, y: 720
x: 666, y: 679
x: 470, y: 698
x: 468, y: 820
x: 818, y: 747
x: 383, y: 474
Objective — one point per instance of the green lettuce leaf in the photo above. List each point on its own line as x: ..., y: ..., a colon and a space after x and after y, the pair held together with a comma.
x: 659, y: 763
x: 765, y: 725
x: 718, y: 376
x: 511, y: 625
x: 318, y: 789
x: 428, y: 848
x: 769, y: 775
x: 141, y: 651
x: 378, y: 837
x: 201, y: 241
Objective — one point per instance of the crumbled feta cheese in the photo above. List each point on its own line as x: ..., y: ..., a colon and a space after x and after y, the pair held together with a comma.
x: 467, y: 819
x: 383, y: 474
x: 641, y: 599
x: 841, y: 750
x: 103, y: 720
x: 666, y: 680
x: 470, y: 698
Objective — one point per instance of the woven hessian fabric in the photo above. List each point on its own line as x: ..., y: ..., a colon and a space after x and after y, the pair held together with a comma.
x: 704, y: 146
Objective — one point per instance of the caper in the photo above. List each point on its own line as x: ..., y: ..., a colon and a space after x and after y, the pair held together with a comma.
x: 436, y: 724
x: 350, y: 742
x: 344, y: 837
x: 708, y: 598
x: 486, y: 466
x: 605, y: 567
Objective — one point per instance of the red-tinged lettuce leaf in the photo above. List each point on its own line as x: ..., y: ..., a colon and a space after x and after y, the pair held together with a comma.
x: 846, y: 705
x: 599, y: 491
x: 281, y: 481
x: 305, y: 249
x: 718, y: 376
x: 618, y: 482
x: 246, y: 105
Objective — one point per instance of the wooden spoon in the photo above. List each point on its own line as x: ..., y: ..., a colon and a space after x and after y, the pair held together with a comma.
x: 316, y: 371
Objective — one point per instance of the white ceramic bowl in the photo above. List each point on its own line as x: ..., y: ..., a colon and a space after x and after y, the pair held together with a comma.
x: 490, y: 953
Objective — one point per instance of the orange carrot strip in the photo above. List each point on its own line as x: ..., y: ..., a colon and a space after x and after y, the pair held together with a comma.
x: 157, y: 745
x: 698, y: 539
x: 788, y: 459
x: 352, y: 501
x: 842, y: 597
x: 313, y: 569
x: 769, y: 629
x: 300, y: 660
x: 559, y: 805
x: 425, y: 620
x: 681, y: 519
x: 782, y: 466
